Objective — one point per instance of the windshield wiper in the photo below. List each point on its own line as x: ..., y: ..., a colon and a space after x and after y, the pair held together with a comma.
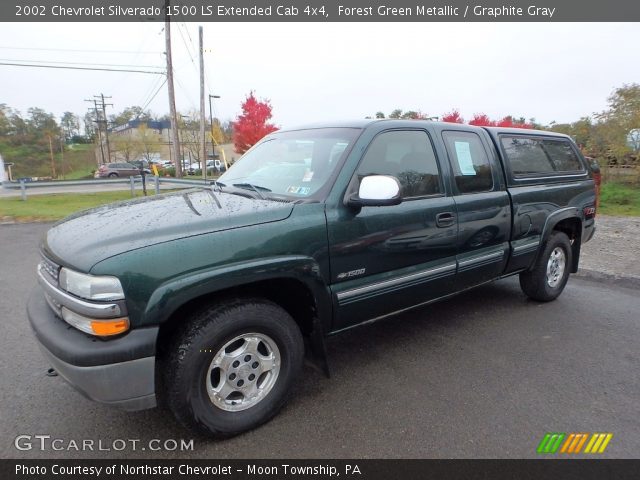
x: 216, y: 183
x: 255, y: 188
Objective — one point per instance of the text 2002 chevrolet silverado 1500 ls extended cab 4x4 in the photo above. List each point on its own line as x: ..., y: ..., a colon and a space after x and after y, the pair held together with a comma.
x: 204, y: 298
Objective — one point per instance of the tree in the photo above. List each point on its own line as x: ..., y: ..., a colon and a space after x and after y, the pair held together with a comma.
x: 581, y: 131
x: 149, y: 142
x: 482, y: 120
x: 190, y: 134
x: 126, y: 146
x: 217, y: 133
x: 90, y: 125
x: 252, y: 124
x: 129, y: 114
x: 622, y: 116
x: 379, y: 115
x: 412, y: 115
x: 397, y: 113
x: 40, y: 122
x: 453, y: 117
x: 70, y: 125
x: 5, y: 121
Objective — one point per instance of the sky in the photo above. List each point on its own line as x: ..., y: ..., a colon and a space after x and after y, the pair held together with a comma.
x: 313, y: 72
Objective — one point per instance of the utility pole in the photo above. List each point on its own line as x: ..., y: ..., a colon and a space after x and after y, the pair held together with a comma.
x: 97, y: 121
x: 203, y: 147
x: 62, y: 156
x: 213, y: 149
x: 53, y: 163
x: 106, y: 126
x: 172, y: 95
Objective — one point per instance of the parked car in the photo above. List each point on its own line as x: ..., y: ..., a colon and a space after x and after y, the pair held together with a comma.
x: 369, y: 219
x: 142, y: 165
x: 121, y: 169
x: 215, y: 166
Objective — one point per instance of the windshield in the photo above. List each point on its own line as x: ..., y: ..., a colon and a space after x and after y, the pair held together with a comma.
x: 294, y: 164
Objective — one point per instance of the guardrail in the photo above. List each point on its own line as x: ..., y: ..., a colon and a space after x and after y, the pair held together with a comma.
x: 23, y: 186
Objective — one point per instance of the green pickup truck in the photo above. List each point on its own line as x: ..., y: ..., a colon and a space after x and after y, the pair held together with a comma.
x: 208, y: 299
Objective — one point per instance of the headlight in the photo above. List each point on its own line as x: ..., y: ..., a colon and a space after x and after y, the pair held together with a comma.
x: 91, y: 287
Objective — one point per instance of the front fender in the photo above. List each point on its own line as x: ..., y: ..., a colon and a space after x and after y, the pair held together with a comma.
x: 171, y: 295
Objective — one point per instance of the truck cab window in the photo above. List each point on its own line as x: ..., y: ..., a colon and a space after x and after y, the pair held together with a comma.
x: 469, y: 161
x: 408, y: 156
x: 530, y: 156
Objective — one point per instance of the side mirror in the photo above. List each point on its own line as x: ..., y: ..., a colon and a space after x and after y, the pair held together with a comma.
x: 376, y: 191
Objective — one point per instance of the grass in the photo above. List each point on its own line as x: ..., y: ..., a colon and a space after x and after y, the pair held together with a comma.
x: 56, y: 206
x: 78, y: 161
x: 82, y: 174
x: 618, y: 199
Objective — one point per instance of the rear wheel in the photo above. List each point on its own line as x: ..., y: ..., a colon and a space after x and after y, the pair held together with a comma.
x: 548, y: 277
x: 113, y: 174
x: 233, y: 366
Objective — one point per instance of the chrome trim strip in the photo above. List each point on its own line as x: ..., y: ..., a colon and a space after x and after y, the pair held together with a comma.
x: 520, y: 249
x: 82, y: 307
x: 424, y: 275
x: 412, y: 307
x: 487, y: 258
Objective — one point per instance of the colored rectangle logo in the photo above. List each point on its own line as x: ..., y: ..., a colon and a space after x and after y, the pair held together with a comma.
x: 574, y: 443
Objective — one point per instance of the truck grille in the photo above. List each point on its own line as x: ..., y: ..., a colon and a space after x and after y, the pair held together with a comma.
x: 51, y: 268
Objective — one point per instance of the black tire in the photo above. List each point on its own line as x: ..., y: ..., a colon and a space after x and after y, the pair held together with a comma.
x: 113, y: 174
x: 535, y: 283
x: 190, y: 357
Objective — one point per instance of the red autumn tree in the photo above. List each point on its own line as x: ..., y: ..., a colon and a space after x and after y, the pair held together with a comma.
x: 453, y: 117
x: 482, y: 120
x: 252, y: 124
x: 510, y: 123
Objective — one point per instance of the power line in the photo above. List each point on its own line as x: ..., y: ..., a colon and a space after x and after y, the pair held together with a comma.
x: 186, y: 46
x: 186, y: 93
x: 154, y: 84
x: 154, y: 95
x: 82, y: 68
x: 79, y: 63
x: 191, y: 42
x: 78, y: 50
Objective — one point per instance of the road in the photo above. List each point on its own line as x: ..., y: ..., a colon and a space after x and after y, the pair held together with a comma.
x: 485, y: 374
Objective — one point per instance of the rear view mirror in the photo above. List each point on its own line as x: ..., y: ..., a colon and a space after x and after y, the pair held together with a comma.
x: 377, y: 191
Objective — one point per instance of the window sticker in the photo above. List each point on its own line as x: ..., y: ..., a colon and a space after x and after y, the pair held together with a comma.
x: 463, y: 152
x: 307, y: 176
x: 299, y: 190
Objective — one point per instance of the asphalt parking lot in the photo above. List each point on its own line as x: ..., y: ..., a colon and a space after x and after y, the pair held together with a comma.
x: 485, y: 374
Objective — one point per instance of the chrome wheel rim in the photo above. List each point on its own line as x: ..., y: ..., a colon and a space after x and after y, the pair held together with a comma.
x: 243, y: 372
x: 555, y: 267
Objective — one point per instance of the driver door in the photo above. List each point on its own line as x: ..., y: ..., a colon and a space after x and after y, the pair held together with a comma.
x: 385, y: 259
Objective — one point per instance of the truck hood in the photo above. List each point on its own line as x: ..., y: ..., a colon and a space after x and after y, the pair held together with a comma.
x: 88, y: 237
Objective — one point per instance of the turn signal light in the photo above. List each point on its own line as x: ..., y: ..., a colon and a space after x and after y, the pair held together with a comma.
x: 105, y: 328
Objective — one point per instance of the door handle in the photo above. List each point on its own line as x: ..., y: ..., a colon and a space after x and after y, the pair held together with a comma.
x: 445, y: 219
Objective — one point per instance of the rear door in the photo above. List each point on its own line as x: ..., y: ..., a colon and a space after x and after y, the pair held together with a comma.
x: 129, y: 169
x: 385, y: 259
x: 482, y: 205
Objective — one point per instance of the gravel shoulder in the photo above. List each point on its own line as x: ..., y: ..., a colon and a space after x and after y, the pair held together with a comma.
x: 613, y: 255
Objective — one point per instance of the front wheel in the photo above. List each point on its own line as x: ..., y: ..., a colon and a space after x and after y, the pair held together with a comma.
x: 550, y: 273
x: 233, y: 366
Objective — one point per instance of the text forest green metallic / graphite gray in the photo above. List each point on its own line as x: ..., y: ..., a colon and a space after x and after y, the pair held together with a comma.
x: 478, y: 209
